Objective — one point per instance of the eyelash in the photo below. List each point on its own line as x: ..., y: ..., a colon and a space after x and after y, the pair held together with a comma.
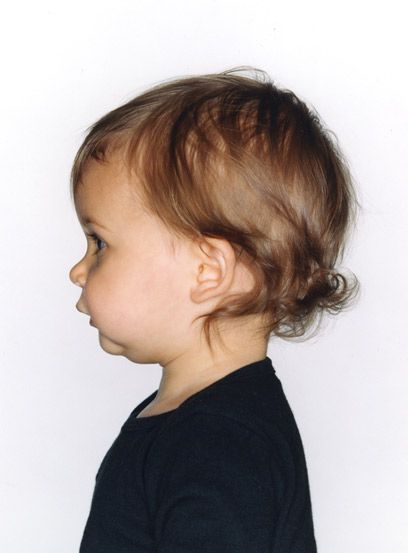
x: 95, y: 239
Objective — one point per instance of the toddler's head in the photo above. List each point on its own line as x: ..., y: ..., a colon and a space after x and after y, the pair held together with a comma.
x: 215, y: 203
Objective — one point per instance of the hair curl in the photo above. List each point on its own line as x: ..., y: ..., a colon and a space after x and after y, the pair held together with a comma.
x: 236, y: 157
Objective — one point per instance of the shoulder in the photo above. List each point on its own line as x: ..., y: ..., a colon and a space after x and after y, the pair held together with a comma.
x: 205, y: 425
x: 201, y: 442
x: 208, y: 436
x: 202, y: 453
x: 246, y: 424
x: 208, y: 423
x: 253, y: 402
x: 246, y: 404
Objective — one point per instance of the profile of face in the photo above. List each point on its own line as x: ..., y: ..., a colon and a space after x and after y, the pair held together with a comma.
x: 142, y: 287
x: 134, y: 287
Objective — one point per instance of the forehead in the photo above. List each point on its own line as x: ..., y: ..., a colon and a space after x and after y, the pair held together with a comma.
x: 108, y: 197
x: 106, y: 191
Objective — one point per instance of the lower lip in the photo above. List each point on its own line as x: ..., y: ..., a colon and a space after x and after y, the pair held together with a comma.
x: 91, y: 323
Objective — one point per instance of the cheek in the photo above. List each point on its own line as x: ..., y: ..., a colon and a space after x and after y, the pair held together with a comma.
x: 117, y: 295
x: 102, y: 292
x: 123, y: 299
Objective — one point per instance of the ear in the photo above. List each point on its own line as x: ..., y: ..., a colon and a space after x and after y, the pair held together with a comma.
x: 214, y: 269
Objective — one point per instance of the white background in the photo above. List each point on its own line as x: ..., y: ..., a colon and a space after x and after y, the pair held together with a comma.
x: 63, y: 399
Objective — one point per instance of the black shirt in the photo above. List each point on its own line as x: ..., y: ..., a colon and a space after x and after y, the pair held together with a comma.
x: 224, y: 472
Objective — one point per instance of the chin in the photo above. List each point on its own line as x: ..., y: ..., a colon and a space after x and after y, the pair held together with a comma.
x: 110, y: 347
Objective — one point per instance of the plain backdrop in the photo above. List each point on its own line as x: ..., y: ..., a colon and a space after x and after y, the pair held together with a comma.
x: 63, y: 399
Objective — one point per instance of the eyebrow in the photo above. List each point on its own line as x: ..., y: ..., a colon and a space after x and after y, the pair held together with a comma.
x: 87, y: 221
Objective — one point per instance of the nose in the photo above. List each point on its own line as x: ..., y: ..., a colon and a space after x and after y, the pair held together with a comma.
x: 77, y: 274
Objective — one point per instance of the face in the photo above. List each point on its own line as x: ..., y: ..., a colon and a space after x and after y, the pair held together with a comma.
x: 135, y: 288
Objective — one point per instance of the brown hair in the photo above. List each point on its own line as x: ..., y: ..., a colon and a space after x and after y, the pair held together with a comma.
x: 236, y: 157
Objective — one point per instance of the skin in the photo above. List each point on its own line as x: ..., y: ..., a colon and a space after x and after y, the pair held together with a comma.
x: 142, y: 296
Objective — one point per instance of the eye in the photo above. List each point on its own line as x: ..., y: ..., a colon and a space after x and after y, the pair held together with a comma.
x: 96, y: 240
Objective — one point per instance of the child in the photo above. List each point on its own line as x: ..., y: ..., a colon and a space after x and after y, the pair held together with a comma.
x: 213, y: 203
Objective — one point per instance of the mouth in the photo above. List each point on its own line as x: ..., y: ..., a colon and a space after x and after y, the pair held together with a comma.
x: 91, y: 323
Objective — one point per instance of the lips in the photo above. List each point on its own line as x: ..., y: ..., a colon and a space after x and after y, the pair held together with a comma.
x: 91, y: 323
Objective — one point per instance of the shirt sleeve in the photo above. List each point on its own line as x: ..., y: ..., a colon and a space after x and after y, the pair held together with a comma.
x: 213, y: 490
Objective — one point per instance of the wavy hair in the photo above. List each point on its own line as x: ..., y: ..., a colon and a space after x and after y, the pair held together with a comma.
x: 236, y: 157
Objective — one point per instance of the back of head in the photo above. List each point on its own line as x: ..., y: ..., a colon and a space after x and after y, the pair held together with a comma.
x: 235, y: 157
